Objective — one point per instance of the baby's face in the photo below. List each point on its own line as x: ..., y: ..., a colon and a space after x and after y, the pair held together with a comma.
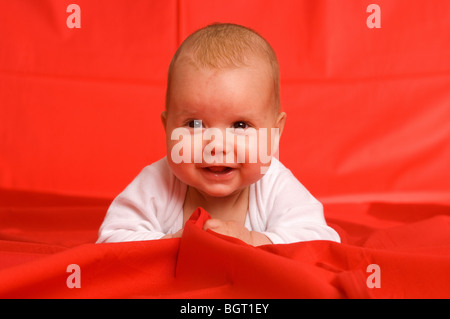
x: 220, y: 114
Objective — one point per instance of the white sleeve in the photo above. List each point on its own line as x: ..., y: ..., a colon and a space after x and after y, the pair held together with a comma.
x: 133, y: 215
x: 293, y: 214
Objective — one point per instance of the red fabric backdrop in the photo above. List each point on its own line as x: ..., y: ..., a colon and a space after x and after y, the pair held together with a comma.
x: 367, y: 109
x: 367, y: 133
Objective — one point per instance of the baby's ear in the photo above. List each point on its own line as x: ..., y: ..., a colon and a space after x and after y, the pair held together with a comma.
x: 164, y: 118
x: 281, y: 121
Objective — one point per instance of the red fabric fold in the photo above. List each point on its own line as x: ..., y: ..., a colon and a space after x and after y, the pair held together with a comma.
x: 413, y: 258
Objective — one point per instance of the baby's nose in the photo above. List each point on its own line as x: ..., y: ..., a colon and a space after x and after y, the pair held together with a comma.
x: 218, y: 147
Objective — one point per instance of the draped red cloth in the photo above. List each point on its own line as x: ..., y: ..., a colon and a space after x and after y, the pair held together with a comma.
x: 413, y: 262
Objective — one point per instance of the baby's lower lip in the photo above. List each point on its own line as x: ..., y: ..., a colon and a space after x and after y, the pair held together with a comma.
x: 220, y: 173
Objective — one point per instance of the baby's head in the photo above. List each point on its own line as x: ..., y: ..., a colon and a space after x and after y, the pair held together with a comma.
x: 226, y: 46
x: 222, y: 96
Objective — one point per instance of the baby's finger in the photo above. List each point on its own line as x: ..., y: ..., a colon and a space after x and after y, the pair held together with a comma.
x: 178, y: 234
x: 212, y: 224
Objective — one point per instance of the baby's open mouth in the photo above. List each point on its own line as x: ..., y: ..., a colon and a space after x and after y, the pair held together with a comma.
x: 218, y: 169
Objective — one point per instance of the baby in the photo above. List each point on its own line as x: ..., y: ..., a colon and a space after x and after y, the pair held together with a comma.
x: 222, y: 122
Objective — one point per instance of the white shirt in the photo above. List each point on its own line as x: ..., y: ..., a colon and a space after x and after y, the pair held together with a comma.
x: 150, y: 207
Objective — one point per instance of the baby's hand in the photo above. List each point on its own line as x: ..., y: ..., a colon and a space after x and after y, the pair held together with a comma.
x: 233, y: 229
x: 230, y: 228
x: 176, y: 235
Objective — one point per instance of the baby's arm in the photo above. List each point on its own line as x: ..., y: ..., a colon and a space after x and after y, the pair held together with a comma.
x: 233, y: 229
x: 292, y: 213
x: 127, y: 221
x: 132, y: 215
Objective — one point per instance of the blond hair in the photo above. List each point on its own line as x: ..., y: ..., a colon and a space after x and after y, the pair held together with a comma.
x: 225, y: 45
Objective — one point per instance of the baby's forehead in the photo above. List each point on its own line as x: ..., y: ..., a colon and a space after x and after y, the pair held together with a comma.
x: 187, y: 73
x: 194, y: 96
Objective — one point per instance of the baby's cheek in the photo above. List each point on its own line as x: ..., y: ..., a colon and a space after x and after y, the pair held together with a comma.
x: 256, y: 146
x: 183, y: 171
x: 252, y: 172
x: 245, y: 147
x: 268, y: 139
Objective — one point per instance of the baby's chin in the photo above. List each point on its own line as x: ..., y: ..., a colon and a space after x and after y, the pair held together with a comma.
x: 219, y: 191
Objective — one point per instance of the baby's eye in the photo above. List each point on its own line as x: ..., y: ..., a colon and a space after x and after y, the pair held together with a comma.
x: 240, y: 124
x: 195, y: 124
